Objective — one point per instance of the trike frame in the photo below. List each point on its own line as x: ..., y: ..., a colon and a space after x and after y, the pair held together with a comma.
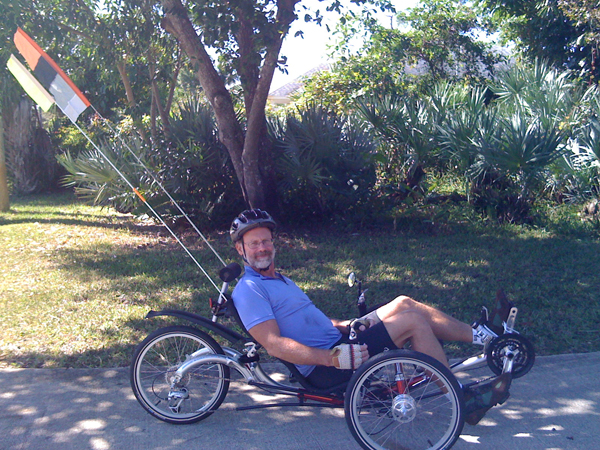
x: 384, y: 401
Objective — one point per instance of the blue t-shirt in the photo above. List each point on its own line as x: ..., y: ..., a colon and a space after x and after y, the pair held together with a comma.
x: 259, y: 298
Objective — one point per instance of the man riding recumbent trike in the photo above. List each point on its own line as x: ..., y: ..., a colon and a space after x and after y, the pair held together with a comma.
x: 393, y: 398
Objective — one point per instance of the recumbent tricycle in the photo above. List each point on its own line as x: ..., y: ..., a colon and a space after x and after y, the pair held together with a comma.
x: 399, y: 399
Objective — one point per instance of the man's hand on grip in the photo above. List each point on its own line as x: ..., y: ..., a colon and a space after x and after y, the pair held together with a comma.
x: 349, y: 356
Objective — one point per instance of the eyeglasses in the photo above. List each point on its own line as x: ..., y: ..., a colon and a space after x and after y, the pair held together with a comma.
x: 253, y: 245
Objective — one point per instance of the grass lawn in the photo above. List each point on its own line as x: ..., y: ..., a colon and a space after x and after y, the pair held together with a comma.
x: 76, y: 281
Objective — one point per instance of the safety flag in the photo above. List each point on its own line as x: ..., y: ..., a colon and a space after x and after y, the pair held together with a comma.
x: 72, y: 102
x: 32, y: 86
x: 66, y: 95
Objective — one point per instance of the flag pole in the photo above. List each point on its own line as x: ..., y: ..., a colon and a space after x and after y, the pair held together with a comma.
x: 159, y: 184
x: 71, y: 101
x: 141, y: 197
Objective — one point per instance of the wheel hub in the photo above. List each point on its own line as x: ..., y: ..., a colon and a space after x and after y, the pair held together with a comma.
x: 171, y: 379
x: 404, y: 408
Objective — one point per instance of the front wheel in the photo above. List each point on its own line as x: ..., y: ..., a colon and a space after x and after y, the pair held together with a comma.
x: 201, y: 390
x: 403, y: 399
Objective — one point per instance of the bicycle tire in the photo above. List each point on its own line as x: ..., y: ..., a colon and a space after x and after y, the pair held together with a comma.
x: 200, y: 392
x: 428, y: 414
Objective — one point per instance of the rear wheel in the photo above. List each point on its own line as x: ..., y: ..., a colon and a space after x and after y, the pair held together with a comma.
x: 200, y: 391
x: 403, y: 399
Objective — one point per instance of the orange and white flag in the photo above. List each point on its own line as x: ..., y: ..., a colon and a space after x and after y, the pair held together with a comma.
x: 51, y: 77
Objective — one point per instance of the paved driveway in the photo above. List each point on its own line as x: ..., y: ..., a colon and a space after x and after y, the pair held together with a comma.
x: 555, y: 406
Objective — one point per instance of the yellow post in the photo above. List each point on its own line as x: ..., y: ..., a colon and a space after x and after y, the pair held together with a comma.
x: 4, y: 202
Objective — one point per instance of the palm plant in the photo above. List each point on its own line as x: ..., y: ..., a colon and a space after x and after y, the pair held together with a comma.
x: 540, y: 91
x: 325, y: 165
x: 94, y: 179
x: 512, y: 163
x: 407, y: 129
x: 519, y: 137
x: 194, y: 168
x: 468, y: 120
x: 585, y: 148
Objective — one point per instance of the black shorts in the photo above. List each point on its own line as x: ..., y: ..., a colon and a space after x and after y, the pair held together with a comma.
x: 377, y: 339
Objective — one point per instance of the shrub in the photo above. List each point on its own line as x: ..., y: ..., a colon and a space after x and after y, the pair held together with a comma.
x: 325, y: 166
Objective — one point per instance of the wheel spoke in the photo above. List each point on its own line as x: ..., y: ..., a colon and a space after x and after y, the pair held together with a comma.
x: 400, y: 402
x: 199, y: 391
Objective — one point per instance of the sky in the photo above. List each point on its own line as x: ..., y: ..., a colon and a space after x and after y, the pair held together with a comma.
x: 306, y: 53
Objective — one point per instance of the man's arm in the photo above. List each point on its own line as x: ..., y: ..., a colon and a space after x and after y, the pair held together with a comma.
x: 268, y: 335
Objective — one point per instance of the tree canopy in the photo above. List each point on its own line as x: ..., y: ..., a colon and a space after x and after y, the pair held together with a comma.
x: 554, y: 30
x: 142, y: 45
x: 436, y: 40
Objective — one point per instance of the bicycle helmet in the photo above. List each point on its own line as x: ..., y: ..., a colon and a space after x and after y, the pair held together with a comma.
x: 248, y: 220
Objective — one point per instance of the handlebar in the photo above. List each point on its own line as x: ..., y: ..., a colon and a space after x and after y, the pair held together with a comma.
x: 361, y: 303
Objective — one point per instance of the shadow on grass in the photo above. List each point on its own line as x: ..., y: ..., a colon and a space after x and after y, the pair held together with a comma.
x: 80, y: 219
x: 553, y: 280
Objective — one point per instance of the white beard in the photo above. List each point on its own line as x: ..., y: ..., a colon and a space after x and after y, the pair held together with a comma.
x: 263, y: 260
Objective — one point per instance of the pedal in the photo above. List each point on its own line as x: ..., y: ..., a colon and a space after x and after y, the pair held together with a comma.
x: 509, y: 326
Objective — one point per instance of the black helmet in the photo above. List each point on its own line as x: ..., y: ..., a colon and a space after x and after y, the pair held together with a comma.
x: 248, y: 220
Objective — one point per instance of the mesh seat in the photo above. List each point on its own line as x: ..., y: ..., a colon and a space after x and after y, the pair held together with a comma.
x: 295, y: 375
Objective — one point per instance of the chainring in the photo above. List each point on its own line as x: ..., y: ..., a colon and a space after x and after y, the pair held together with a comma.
x: 515, y: 344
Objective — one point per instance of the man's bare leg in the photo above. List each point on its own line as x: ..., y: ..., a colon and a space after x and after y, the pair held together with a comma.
x: 444, y: 327
x: 411, y: 326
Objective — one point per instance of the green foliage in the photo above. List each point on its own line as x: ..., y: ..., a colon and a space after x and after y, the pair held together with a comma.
x: 437, y: 40
x: 186, y: 169
x: 96, y: 180
x: 100, y: 272
x: 442, y: 35
x: 406, y: 127
x: 467, y: 120
x: 514, y: 142
x: 546, y: 30
x: 326, y: 169
x: 197, y: 169
x: 581, y: 166
x: 561, y: 106
x: 585, y: 16
x: 510, y: 171
x: 538, y: 90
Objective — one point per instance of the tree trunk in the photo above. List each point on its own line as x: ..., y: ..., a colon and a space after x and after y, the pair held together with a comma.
x: 18, y: 138
x: 4, y: 199
x: 177, y: 22
x: 173, y: 83
x: 126, y: 83
x: 244, y: 150
x: 164, y: 117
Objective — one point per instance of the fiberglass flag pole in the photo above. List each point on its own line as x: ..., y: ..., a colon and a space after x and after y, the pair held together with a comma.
x: 72, y: 103
x: 141, y: 197
x: 159, y: 184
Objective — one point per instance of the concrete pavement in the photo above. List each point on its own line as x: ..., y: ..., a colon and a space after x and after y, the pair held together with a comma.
x: 555, y: 406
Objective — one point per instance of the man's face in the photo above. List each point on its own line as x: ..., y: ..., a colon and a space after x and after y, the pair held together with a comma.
x: 258, y: 244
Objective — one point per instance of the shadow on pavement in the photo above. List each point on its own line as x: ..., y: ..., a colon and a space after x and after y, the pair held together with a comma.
x: 555, y: 406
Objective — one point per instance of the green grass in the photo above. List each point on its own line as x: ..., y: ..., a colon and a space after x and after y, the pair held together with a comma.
x: 77, y: 281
